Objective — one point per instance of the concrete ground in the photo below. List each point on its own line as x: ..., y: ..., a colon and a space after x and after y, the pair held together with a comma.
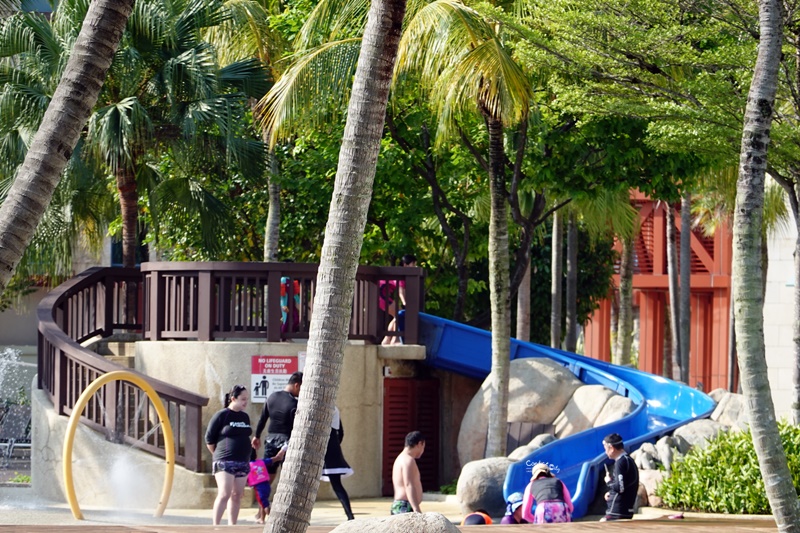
x: 20, y: 510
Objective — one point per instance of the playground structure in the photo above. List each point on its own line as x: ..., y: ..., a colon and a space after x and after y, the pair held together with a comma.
x: 662, y: 405
x: 168, y: 302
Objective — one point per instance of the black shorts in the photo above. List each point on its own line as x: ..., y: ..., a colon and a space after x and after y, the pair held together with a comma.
x: 234, y: 468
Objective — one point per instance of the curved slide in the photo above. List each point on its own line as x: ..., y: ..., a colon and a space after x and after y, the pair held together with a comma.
x: 662, y: 405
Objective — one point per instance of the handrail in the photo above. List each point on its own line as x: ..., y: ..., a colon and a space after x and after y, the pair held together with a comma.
x: 182, y: 300
x: 94, y: 304
x: 269, y: 301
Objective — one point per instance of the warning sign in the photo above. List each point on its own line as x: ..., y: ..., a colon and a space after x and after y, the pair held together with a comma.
x: 270, y: 373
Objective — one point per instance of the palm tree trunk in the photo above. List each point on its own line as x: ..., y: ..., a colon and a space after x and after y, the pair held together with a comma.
x: 796, y: 328
x: 60, y: 130
x: 523, y: 330
x: 674, y: 311
x: 556, y: 275
x: 499, y: 293
x: 571, y: 296
x: 746, y: 276
x: 129, y: 210
x: 272, y: 227
x: 344, y: 235
x: 625, y: 327
x: 685, y: 304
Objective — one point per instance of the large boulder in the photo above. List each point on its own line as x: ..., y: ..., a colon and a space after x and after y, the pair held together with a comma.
x: 667, y: 451
x: 649, y: 480
x: 538, y: 390
x: 582, y: 410
x: 480, y: 486
x: 537, y: 442
x: 401, y: 523
x: 699, y: 432
x: 730, y: 411
x: 615, y: 408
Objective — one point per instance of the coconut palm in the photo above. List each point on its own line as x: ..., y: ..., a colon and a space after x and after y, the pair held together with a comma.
x: 53, y: 144
x: 747, y: 294
x: 458, y: 59
x: 344, y: 235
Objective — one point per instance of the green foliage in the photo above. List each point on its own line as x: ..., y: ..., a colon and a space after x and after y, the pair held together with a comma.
x: 20, y: 478
x: 596, y: 258
x: 450, y: 488
x: 724, y: 477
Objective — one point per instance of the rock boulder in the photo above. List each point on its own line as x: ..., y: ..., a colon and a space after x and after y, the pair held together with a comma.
x: 401, y: 523
x: 538, y: 390
x: 582, y: 410
x: 480, y: 486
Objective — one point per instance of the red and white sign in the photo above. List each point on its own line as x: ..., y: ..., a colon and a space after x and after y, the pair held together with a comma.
x: 270, y: 373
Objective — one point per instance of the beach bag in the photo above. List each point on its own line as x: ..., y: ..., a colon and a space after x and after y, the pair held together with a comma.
x: 258, y: 473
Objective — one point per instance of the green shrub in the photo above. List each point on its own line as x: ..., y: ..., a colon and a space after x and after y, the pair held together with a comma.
x: 450, y: 488
x: 724, y: 477
x: 20, y: 478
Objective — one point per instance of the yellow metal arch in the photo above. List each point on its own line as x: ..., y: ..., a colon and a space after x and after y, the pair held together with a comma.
x: 72, y: 426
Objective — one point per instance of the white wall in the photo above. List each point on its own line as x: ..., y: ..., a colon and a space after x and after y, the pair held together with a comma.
x: 779, y: 317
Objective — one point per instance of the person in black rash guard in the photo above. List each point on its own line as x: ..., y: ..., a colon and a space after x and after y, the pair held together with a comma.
x: 228, y: 438
x: 623, y: 485
x: 280, y: 409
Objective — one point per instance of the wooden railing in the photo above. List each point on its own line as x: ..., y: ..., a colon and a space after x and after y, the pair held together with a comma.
x: 203, y: 301
x: 268, y: 301
x: 95, y: 304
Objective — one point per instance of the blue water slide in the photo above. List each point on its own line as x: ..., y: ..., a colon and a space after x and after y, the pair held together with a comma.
x: 662, y: 405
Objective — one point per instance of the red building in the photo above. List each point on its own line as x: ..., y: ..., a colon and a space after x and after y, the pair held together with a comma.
x: 710, y: 299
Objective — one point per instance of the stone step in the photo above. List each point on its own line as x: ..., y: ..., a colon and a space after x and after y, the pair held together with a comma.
x: 116, y: 348
x: 127, y: 361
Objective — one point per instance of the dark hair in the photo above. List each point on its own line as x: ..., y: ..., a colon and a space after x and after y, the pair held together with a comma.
x: 235, y: 392
x: 614, y: 440
x: 296, y: 378
x: 408, y: 259
x: 414, y: 438
x: 475, y: 519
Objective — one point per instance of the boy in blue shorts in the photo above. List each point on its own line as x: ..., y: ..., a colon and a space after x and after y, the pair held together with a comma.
x: 259, y: 480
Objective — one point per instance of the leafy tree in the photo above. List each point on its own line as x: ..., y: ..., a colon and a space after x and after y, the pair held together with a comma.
x: 52, y: 145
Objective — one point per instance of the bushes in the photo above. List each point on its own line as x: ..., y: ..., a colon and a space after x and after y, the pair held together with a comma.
x: 724, y: 477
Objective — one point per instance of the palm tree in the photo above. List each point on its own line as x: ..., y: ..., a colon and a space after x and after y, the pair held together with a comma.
x: 467, y: 71
x: 67, y: 113
x: 556, y: 281
x: 344, y: 235
x: 166, y: 90
x: 247, y: 33
x: 674, y: 307
x: 747, y: 294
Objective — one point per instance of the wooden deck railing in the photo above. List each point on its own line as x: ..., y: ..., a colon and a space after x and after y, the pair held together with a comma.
x: 268, y: 301
x: 203, y: 301
x: 95, y: 304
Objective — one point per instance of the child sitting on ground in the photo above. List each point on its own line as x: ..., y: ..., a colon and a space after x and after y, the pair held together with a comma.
x: 259, y: 480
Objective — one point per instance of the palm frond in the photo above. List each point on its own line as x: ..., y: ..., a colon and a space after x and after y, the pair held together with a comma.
x: 486, y: 80
x: 608, y: 211
x: 439, y: 35
x: 186, y: 199
x: 245, y: 34
x: 314, y: 90
x: 332, y: 20
x: 248, y: 76
x: 115, y: 131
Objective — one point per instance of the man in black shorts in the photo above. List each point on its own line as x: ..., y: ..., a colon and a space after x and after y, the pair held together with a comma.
x: 280, y: 409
